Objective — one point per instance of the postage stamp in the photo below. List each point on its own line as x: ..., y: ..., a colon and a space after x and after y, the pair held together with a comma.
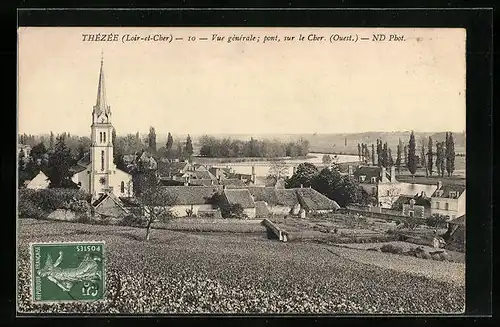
x: 68, y: 271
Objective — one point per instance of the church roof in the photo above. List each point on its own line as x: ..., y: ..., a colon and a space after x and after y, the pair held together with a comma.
x: 101, y: 105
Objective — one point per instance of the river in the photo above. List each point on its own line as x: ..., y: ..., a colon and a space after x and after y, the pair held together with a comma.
x: 262, y: 167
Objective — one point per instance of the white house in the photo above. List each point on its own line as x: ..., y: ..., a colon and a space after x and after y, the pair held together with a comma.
x: 448, y: 200
x: 39, y: 182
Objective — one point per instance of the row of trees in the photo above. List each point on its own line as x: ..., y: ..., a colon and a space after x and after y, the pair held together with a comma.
x: 406, y: 155
x: 228, y: 148
x: 343, y: 189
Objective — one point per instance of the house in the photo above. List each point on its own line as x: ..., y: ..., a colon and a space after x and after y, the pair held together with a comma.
x: 243, y: 198
x: 187, y: 198
x: 448, y: 200
x: 96, y: 172
x: 109, y: 205
x: 221, y: 172
x: 422, y: 205
x: 284, y: 202
x: 413, y: 211
x: 40, y: 181
x: 147, y: 161
x: 314, y: 202
x: 279, y: 202
x: 171, y: 169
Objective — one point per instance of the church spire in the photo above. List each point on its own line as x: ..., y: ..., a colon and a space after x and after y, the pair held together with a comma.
x: 101, y: 105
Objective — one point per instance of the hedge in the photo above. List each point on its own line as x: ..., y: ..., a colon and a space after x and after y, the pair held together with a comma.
x: 39, y: 203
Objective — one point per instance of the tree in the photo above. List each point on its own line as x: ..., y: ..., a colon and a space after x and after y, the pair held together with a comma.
x: 342, y: 189
x: 412, y: 158
x: 398, y: 155
x: 439, y: 158
x: 385, y: 156
x: 366, y: 153
x: 379, y: 153
x: 170, y: 143
x: 429, y: 156
x: 152, y: 139
x: 359, y: 151
x: 390, y: 160
x: 422, y: 156
x: 436, y: 220
x: 51, y: 140
x: 189, y: 147
x: 59, y: 164
x: 405, y: 153
x: 450, y: 154
x: 304, y: 173
x: 227, y: 210
x: 180, y: 152
x: 373, y: 154
x: 278, y: 170
x: 326, y: 159
x: 38, y: 152
x: 113, y: 137
x: 154, y: 199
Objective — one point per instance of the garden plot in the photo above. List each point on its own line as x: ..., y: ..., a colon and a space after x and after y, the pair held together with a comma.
x: 211, y: 273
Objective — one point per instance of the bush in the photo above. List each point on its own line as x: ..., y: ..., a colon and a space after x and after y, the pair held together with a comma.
x: 436, y: 221
x: 132, y: 220
x: 56, y: 198
x: 389, y: 248
x: 412, y: 223
x: 28, y: 209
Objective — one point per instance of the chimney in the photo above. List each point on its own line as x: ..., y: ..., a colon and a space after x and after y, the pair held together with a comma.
x: 253, y: 174
x: 383, y: 174
x: 393, y: 174
x: 253, y: 170
x: 439, y: 185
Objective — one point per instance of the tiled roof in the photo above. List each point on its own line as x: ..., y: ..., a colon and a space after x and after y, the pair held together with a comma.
x: 412, y: 189
x: 111, y: 196
x: 273, y: 196
x: 239, y: 196
x: 202, y: 182
x: 232, y: 182
x: 313, y: 200
x: 369, y: 172
x: 202, y: 174
x: 77, y: 169
x: 85, y: 160
x: 187, y: 195
x: 166, y: 168
x: 447, y: 189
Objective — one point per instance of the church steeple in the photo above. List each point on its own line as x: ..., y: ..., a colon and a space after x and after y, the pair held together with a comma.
x: 101, y: 105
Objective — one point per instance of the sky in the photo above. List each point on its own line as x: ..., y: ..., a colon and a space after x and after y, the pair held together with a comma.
x: 210, y: 87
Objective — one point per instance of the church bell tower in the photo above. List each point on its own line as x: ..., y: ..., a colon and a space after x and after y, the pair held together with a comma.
x: 101, y: 149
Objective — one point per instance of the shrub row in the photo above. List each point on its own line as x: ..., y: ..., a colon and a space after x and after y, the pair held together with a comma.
x: 39, y: 204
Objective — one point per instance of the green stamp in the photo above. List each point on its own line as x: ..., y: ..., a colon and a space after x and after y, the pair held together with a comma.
x: 67, y: 271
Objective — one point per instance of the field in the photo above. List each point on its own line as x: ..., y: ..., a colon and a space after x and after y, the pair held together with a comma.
x: 186, y: 272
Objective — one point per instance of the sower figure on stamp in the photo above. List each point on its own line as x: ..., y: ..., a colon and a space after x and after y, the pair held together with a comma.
x: 87, y: 270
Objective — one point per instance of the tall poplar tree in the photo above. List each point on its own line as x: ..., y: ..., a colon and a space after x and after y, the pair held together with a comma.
x: 429, y: 156
x: 412, y: 157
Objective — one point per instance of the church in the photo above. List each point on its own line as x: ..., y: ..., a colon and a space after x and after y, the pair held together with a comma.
x: 96, y: 173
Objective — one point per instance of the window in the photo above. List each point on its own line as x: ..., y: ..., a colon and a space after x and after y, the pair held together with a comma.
x: 437, y: 205
x: 100, y: 137
x: 104, y: 137
x: 411, y: 213
x: 362, y: 178
x: 446, y: 206
x: 102, y: 160
x: 122, y: 187
x: 374, y: 179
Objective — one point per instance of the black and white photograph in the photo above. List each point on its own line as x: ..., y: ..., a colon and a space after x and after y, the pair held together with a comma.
x: 248, y: 170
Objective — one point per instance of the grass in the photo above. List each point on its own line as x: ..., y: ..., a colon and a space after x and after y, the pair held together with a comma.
x: 179, y: 272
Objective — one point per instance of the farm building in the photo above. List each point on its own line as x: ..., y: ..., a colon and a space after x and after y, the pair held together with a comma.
x: 108, y: 205
x: 448, y: 200
x: 40, y: 181
x: 314, y: 202
x: 243, y: 198
x: 187, y: 198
